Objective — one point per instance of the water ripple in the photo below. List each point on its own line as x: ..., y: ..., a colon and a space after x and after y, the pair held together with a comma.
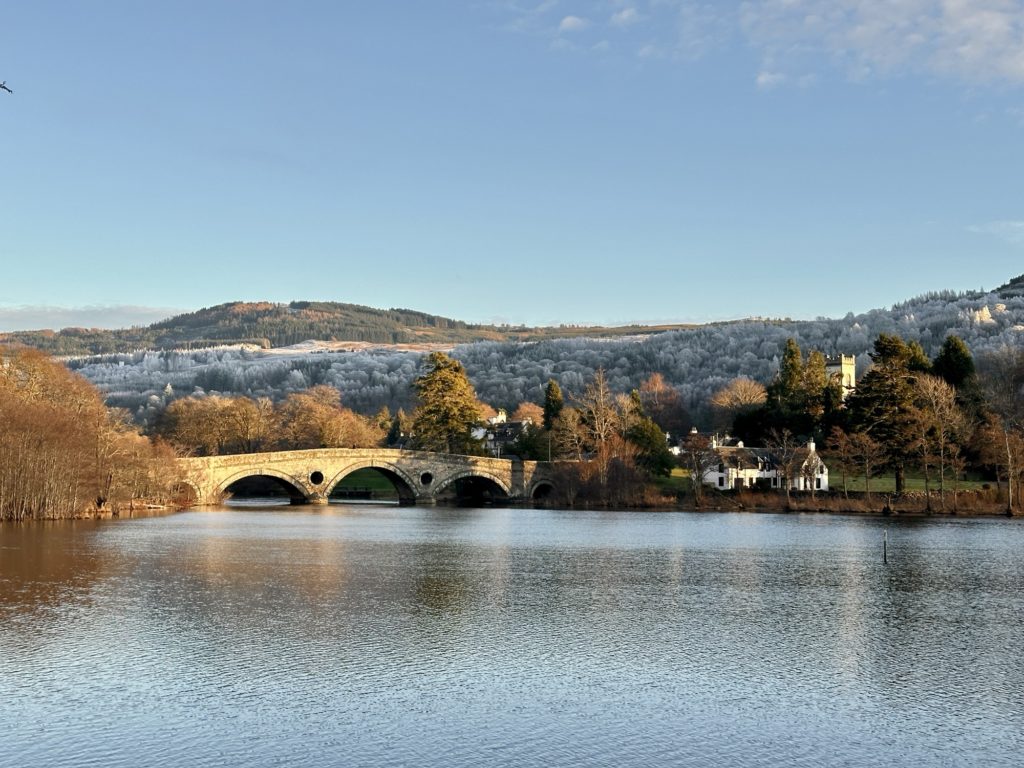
x: 401, y: 637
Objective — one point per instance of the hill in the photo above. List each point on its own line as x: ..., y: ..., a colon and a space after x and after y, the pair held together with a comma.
x: 269, y: 325
x: 695, y: 361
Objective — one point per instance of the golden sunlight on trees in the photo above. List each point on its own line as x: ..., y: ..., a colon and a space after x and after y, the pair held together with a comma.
x: 1003, y: 387
x: 448, y: 408
x: 741, y: 395
x: 530, y: 412
x: 62, y: 452
x: 314, y: 418
x: 662, y: 403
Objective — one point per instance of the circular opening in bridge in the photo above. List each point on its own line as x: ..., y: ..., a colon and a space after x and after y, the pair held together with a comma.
x: 426, y: 478
x: 316, y: 478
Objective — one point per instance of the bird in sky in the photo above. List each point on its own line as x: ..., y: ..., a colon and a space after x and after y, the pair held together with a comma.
x: 3, y: 86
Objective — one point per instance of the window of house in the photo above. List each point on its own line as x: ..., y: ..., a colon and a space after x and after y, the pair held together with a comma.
x: 817, y: 483
x: 721, y: 481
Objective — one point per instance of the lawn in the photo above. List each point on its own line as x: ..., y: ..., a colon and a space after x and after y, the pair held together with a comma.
x: 887, y: 483
x: 679, y: 481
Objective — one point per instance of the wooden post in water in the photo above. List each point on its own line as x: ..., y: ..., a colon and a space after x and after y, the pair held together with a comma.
x: 885, y: 547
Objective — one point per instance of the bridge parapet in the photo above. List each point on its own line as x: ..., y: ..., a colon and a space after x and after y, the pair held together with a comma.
x: 418, y: 476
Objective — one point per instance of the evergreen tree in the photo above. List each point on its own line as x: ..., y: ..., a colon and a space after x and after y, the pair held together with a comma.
x: 798, y: 400
x: 917, y: 360
x: 653, y: 454
x: 448, y: 409
x: 813, y: 383
x: 553, y: 403
x: 401, y: 425
x: 954, y: 363
x: 883, y: 404
x: 791, y: 372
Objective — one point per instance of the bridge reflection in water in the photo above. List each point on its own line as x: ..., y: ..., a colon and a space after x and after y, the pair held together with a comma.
x: 419, y: 477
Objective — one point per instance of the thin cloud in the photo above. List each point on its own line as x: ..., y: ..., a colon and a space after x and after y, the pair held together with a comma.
x: 970, y: 41
x: 624, y: 18
x: 1010, y: 231
x: 768, y: 80
x: 28, y: 318
x: 572, y: 24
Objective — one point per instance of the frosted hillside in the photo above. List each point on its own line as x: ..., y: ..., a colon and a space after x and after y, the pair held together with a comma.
x: 696, y: 361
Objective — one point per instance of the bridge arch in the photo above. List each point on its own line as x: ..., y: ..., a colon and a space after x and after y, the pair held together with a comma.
x: 295, y: 487
x: 469, y: 474
x: 187, y: 491
x: 541, y: 490
x: 405, y: 486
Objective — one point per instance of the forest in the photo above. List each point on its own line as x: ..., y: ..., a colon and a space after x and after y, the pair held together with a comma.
x: 696, y: 362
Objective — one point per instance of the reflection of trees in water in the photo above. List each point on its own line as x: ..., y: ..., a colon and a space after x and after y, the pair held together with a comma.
x: 442, y: 576
x: 472, y: 491
x: 445, y: 591
x: 45, y: 569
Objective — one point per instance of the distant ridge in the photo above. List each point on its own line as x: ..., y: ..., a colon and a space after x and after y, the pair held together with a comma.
x: 268, y: 325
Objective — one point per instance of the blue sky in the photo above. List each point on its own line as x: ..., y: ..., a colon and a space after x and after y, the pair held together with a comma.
x: 534, y: 162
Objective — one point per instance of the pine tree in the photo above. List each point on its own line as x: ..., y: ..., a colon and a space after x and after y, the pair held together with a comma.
x: 653, y: 454
x: 553, y: 403
x: 883, y: 404
x: 448, y: 409
x: 955, y: 364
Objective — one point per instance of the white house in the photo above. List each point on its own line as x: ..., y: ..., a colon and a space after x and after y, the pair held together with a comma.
x: 742, y: 467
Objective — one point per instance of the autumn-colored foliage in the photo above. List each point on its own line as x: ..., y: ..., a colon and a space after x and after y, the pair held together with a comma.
x: 62, y: 452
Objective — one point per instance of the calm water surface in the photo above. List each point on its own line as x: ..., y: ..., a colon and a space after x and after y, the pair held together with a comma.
x: 386, y: 636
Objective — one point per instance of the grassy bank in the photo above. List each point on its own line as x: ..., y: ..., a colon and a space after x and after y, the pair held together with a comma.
x: 974, y: 497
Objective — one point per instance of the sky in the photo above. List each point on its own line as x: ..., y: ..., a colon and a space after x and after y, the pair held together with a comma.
x: 519, y: 161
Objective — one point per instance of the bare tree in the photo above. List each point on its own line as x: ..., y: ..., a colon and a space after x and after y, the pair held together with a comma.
x: 699, y: 458
x: 738, y: 396
x: 597, y: 407
x: 785, y: 449
x: 870, y: 455
x: 842, y: 453
x: 662, y: 403
x: 570, y: 434
x: 1002, y: 380
x: 957, y: 466
x: 62, y: 452
x: 942, y: 420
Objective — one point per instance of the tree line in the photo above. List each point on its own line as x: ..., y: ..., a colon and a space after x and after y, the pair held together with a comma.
x: 697, y: 362
x: 63, y: 452
x: 939, y: 416
x: 620, y: 435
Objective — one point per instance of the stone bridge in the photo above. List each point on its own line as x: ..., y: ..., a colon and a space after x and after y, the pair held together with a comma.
x: 419, y: 477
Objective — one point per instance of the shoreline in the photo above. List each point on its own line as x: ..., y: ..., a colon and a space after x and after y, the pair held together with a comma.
x: 152, y: 510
